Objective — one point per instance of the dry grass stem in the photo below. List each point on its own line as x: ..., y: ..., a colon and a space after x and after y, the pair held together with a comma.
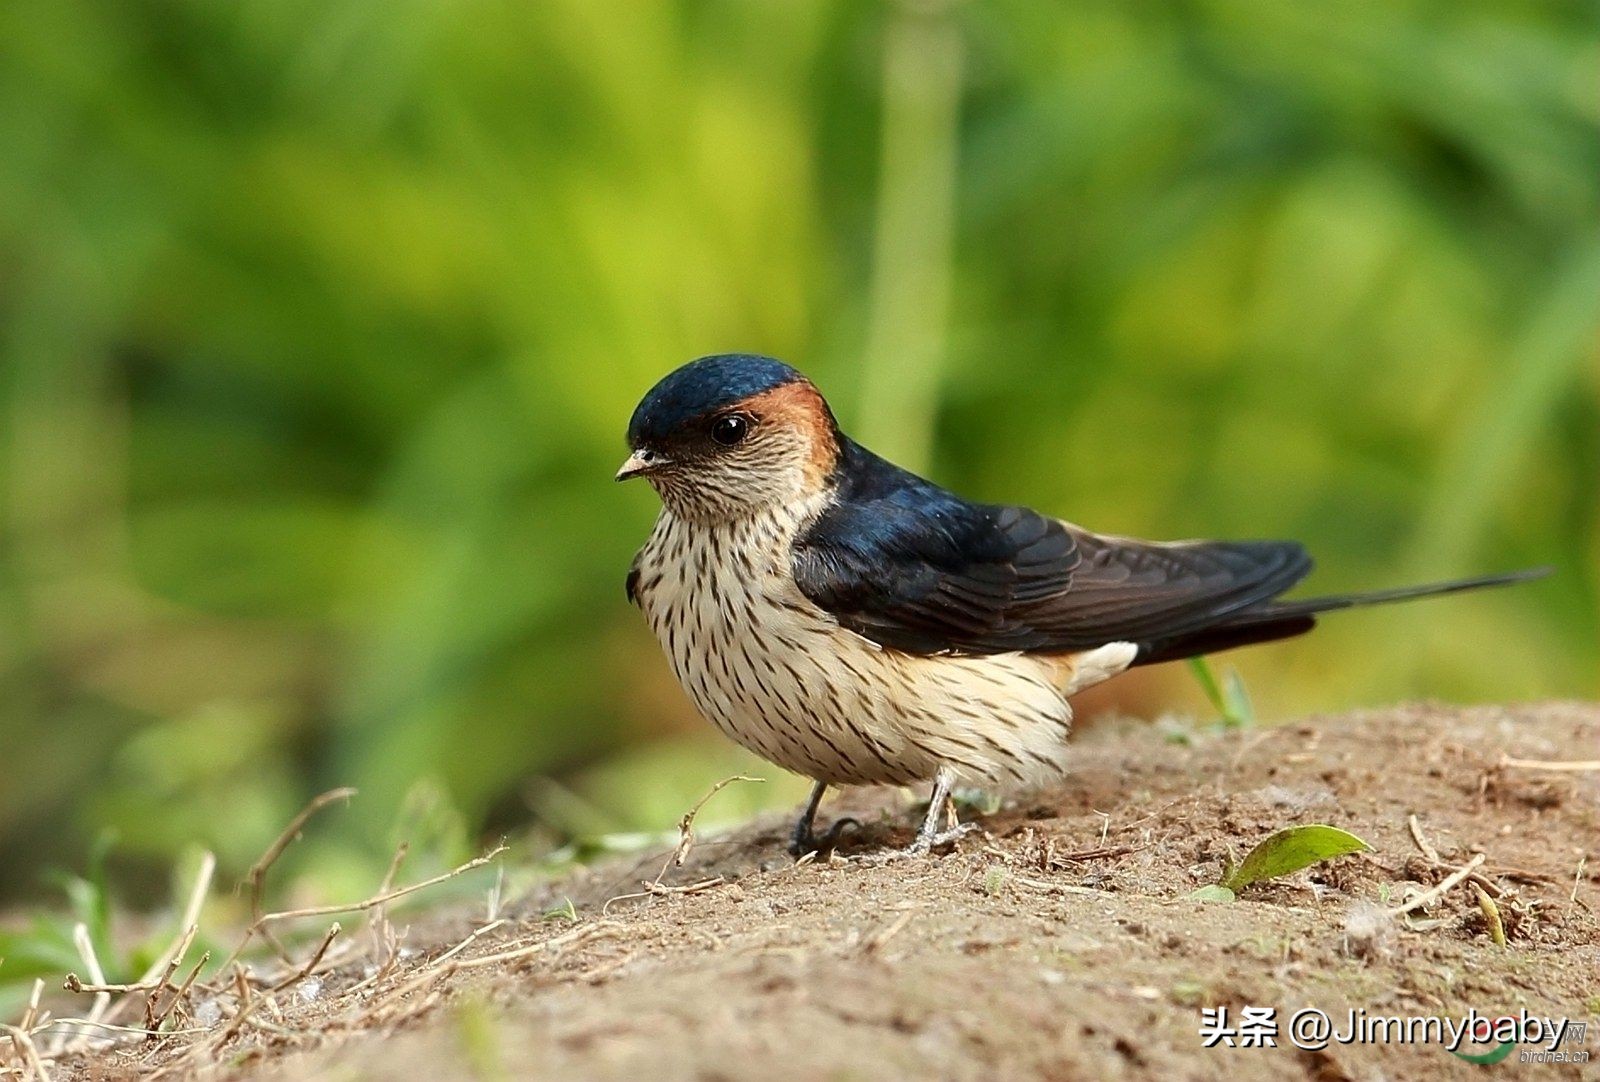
x: 1061, y: 888
x: 655, y: 888
x: 191, y: 915
x: 247, y: 1003
x: 256, y: 877
x: 1558, y: 765
x: 67, y: 1039
x: 1422, y: 843
x: 166, y: 978
x: 1431, y: 855
x: 879, y: 940
x: 1104, y: 852
x: 27, y: 1052
x: 116, y: 1027
x: 31, y: 1014
x: 378, y: 919
x: 365, y: 905
x: 311, y: 963
x: 1438, y: 891
x: 380, y: 899
x: 686, y: 822
x: 180, y: 994
x: 599, y: 930
x: 446, y: 965
x: 467, y: 942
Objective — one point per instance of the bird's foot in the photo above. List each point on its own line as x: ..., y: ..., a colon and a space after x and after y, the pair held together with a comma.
x: 804, y: 840
x: 925, y: 843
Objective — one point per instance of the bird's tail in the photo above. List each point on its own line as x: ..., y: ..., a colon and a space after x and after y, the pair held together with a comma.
x: 1284, y: 619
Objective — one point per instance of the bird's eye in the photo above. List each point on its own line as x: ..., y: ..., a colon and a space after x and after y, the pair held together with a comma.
x: 730, y: 429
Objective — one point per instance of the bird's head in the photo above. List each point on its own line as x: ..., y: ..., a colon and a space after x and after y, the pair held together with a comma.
x: 732, y: 435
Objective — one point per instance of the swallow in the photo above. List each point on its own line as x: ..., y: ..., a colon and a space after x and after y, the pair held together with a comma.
x: 857, y: 624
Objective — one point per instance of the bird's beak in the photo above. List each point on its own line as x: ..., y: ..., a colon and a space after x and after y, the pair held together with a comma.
x: 640, y: 462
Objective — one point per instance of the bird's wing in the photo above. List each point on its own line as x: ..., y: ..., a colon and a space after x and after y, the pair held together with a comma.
x: 915, y: 568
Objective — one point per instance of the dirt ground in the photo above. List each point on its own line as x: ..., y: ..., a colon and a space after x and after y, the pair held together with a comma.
x: 1058, y: 942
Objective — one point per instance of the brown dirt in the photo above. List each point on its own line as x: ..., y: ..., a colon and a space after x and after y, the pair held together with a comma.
x: 1012, y: 957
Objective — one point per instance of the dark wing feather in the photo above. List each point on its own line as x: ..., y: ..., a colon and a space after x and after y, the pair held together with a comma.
x: 946, y: 582
x: 1138, y: 591
x: 913, y: 567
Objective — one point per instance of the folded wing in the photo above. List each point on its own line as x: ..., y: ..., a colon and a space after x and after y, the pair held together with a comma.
x: 915, y: 568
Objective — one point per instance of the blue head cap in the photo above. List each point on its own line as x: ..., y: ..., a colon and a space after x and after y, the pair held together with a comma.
x: 702, y: 386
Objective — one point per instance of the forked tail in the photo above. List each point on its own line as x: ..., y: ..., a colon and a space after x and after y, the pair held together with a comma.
x: 1284, y: 619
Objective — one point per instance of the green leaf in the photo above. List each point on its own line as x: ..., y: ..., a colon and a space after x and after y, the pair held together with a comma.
x: 1227, y: 697
x: 1238, y: 711
x: 1214, y: 893
x: 1208, y: 682
x: 1291, y: 849
x: 44, y: 949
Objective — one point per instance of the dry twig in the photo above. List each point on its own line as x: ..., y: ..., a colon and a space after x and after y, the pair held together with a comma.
x: 27, y: 1052
x: 191, y: 916
x: 686, y: 823
x: 311, y: 963
x: 1422, y: 843
x: 1431, y: 855
x: 879, y: 940
x: 256, y: 877
x: 247, y: 1003
x: 180, y: 994
x: 1104, y: 852
x: 159, y: 973
x: 1554, y: 765
x: 657, y: 888
x: 362, y: 906
x: 32, y: 1013
x: 1438, y: 891
x: 68, y: 1039
x: 1063, y: 888
x: 166, y: 978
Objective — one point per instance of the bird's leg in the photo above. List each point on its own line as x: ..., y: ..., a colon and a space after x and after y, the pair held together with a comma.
x: 929, y: 835
x: 803, y: 840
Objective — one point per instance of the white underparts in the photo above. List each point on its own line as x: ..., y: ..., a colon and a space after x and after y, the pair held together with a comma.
x: 1100, y: 664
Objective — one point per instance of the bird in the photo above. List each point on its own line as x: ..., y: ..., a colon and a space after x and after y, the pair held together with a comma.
x: 857, y: 624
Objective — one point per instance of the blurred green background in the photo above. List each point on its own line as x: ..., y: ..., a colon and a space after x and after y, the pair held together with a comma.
x: 321, y: 321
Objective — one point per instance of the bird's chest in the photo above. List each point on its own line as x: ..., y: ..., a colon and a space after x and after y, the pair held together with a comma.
x: 724, y: 604
x: 758, y: 658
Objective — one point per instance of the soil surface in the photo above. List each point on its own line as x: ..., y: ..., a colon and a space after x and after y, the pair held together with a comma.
x: 1058, y: 941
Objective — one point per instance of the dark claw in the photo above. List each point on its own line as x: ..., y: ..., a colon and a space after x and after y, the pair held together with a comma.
x: 806, y: 841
